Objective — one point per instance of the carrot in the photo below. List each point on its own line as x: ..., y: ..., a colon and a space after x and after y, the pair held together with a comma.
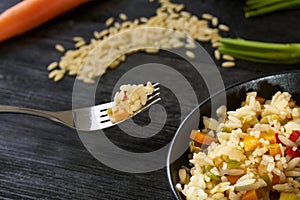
x: 29, y: 14
x: 268, y: 135
x: 251, y: 143
x: 232, y: 179
x: 261, y: 100
x: 250, y: 195
x: 202, y: 138
x: 274, y: 149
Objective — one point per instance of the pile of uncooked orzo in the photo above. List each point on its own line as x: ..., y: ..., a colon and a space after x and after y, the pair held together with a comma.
x: 253, y: 152
x: 122, y: 37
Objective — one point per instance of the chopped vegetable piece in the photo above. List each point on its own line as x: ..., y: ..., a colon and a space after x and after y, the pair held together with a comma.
x: 277, y: 138
x: 29, y: 14
x: 250, y: 195
x: 294, y: 135
x: 288, y: 196
x: 294, y: 154
x: 231, y: 164
x: 109, y: 111
x: 226, y: 129
x: 274, y: 149
x: 209, y: 174
x: 270, y: 136
x: 233, y: 179
x: 275, y: 179
x: 261, y: 100
x: 268, y: 181
x: 207, y: 168
x: 263, y: 52
x: 202, y: 138
x: 118, y: 115
x: 251, y: 143
x: 194, y: 148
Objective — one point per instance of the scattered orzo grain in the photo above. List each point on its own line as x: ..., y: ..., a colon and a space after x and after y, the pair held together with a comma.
x: 228, y: 64
x: 78, y: 39
x: 80, y: 44
x: 190, y: 46
x: 60, y: 48
x: 223, y: 27
x: 109, y: 21
x: 207, y: 16
x: 53, y: 73
x: 190, y: 54
x: 217, y: 54
x: 123, y: 16
x: 59, y: 76
x: 228, y: 57
x: 52, y: 66
x: 216, y: 44
x: 215, y: 21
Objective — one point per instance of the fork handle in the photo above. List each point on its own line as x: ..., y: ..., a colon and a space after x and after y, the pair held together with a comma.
x: 54, y: 116
x: 15, y: 109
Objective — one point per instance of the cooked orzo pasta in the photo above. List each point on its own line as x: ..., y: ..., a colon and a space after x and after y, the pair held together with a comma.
x: 252, y: 152
x: 128, y: 100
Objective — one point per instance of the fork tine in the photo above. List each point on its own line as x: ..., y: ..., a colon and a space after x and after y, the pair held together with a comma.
x: 153, y: 96
x: 155, y: 84
x: 156, y: 89
x: 103, y: 113
x: 104, y: 107
x: 104, y: 118
x: 106, y: 124
x: 150, y: 104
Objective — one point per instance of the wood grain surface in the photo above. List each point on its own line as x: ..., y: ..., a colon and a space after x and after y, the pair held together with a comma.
x: 40, y: 159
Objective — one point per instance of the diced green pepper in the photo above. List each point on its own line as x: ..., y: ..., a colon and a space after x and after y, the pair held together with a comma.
x: 268, y: 181
x: 209, y: 174
x: 231, y: 164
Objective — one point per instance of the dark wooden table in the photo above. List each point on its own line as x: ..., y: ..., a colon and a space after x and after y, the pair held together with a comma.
x: 40, y: 159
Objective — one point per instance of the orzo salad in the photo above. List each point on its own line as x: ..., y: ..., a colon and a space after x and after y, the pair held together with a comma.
x: 128, y: 100
x: 252, y: 152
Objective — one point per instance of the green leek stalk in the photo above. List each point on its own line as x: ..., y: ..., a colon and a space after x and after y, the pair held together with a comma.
x: 262, y: 52
x: 260, y: 7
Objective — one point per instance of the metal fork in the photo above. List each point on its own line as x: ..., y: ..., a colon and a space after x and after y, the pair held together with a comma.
x: 83, y: 119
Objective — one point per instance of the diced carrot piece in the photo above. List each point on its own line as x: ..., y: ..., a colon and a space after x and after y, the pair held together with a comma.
x: 202, y: 138
x: 261, y: 100
x: 251, y: 143
x: 270, y: 136
x: 119, y: 115
x: 250, y: 195
x: 233, y: 179
x: 274, y: 149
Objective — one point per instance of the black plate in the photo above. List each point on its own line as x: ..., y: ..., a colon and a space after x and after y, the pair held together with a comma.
x: 265, y: 86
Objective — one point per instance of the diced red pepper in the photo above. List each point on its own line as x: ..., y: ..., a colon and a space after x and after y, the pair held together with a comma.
x: 124, y: 96
x: 277, y: 139
x: 289, y: 151
x: 275, y: 179
x: 294, y: 135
